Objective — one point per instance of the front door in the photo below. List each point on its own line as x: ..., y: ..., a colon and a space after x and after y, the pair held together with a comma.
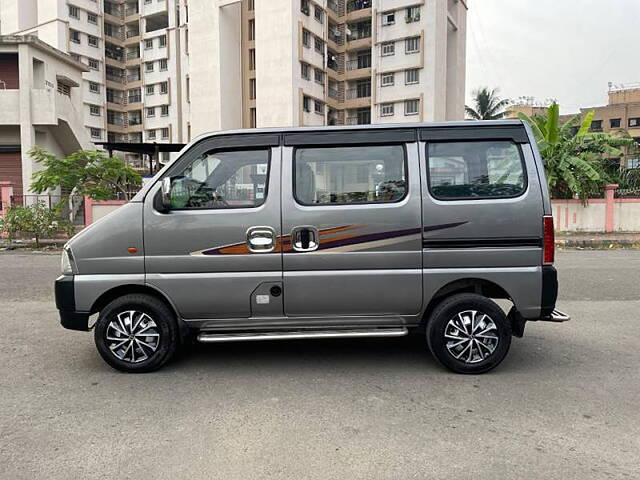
x: 216, y: 253
x: 351, y: 218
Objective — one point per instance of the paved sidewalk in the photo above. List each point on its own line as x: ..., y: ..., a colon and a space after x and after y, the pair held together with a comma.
x: 598, y: 241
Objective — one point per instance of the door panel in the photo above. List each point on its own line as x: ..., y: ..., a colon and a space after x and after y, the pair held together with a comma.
x: 369, y: 258
x: 199, y: 257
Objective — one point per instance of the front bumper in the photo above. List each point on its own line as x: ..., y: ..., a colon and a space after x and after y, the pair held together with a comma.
x: 66, y: 305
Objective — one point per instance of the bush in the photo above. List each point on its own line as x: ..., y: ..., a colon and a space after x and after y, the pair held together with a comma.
x: 35, y: 220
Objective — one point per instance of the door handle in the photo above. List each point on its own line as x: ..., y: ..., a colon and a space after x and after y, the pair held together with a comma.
x: 305, y: 239
x: 261, y: 239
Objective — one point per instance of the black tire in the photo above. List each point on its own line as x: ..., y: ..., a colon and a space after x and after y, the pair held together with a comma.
x: 438, y: 325
x: 165, y: 326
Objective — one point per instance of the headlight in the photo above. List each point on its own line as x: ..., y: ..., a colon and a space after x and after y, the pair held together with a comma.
x: 67, y: 264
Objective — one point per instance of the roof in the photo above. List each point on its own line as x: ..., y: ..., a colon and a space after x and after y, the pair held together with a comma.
x: 34, y: 41
x: 467, y: 124
x: 141, y: 147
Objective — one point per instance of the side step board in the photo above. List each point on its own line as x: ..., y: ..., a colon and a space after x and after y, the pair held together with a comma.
x: 301, y: 334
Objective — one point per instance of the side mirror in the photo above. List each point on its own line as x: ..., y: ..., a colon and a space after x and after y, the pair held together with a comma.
x: 165, y: 195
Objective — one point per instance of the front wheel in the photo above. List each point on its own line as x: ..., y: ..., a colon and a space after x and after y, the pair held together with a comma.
x: 136, y: 333
x: 468, y: 333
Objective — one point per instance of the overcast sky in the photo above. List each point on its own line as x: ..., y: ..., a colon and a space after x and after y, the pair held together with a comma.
x: 563, y: 49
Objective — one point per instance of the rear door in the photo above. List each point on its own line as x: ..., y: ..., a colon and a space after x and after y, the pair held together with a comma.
x: 215, y: 254
x: 351, y: 221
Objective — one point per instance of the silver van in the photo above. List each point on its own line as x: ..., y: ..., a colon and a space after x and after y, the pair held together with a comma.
x: 302, y: 233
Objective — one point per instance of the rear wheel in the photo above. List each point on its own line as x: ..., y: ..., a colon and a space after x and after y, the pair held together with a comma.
x: 136, y: 333
x: 468, y: 333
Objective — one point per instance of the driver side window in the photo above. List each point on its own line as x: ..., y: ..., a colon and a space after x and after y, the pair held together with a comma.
x: 219, y: 180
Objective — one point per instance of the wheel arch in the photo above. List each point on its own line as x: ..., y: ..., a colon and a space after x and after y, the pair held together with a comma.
x: 481, y: 286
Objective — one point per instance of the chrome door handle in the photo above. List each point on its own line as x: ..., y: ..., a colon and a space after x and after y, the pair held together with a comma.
x: 305, y: 239
x: 261, y: 239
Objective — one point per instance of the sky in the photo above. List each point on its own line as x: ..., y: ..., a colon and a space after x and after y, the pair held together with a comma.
x: 568, y: 50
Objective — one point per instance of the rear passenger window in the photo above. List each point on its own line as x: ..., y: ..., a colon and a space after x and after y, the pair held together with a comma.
x: 475, y: 170
x: 350, y: 175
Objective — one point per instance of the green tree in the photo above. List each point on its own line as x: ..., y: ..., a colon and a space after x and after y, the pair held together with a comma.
x: 487, y: 105
x: 85, y: 172
x: 36, y: 220
x: 575, y: 159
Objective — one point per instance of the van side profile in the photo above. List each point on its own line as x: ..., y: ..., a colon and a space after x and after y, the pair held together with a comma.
x: 363, y: 231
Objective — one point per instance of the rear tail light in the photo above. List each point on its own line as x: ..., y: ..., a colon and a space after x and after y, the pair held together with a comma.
x: 548, y: 241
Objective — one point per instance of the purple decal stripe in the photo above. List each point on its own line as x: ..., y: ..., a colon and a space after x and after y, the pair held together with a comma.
x: 432, y: 228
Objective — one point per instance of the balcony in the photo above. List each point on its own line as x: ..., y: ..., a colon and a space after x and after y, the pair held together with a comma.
x: 115, y: 99
x: 355, y: 5
x: 135, y: 98
x: 334, y: 6
x: 359, y: 63
x: 134, y: 77
x: 133, y: 55
x: 361, y: 91
x: 114, y: 77
x: 359, y: 33
x: 113, y: 9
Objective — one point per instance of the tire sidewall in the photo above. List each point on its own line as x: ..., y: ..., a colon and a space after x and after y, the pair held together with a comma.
x: 160, y: 314
x: 449, y: 308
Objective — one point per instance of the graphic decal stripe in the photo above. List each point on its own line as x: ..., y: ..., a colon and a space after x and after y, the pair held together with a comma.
x: 329, y: 239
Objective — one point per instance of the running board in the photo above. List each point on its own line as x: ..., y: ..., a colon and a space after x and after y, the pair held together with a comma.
x: 299, y: 335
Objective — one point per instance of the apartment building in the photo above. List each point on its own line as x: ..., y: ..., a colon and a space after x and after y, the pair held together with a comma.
x: 40, y: 104
x: 325, y: 62
x: 135, y: 54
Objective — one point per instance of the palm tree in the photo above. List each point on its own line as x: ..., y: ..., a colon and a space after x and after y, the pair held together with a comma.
x: 574, y: 157
x: 488, y: 105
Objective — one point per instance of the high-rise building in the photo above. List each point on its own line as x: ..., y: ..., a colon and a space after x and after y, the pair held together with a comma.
x: 134, y: 89
x: 167, y: 70
x: 325, y: 62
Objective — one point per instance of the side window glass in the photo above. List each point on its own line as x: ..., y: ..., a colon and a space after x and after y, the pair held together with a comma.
x: 216, y: 180
x: 480, y: 169
x: 350, y: 175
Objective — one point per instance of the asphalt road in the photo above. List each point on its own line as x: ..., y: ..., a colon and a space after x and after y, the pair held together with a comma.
x: 563, y: 405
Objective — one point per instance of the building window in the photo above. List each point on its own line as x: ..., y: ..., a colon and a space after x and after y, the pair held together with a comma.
x: 253, y: 118
x: 388, y: 18
x: 148, y: 44
x: 96, y: 133
x: 319, y: 76
x: 413, y: 14
x: 411, y: 107
x: 252, y: 89
x: 74, y: 12
x: 319, y: 45
x: 596, y: 126
x: 74, y: 36
x: 151, y: 112
x: 92, y: 18
x: 151, y: 134
x: 350, y: 175
x: 252, y: 59
x: 95, y: 110
x: 304, y: 7
x: 306, y: 38
x: 93, y: 41
x: 148, y: 67
x: 306, y: 104
x: 318, y: 14
x: 386, y: 110
x: 319, y: 107
x: 304, y: 70
x: 164, y: 66
x: 164, y: 110
x: 150, y: 89
x: 165, y: 133
x: 94, y: 87
x: 251, y: 5
x: 252, y: 29
x: 163, y: 41
x: 164, y: 88
x: 614, y: 123
x: 388, y: 79
x: 411, y: 76
x: 388, y: 49
x: 412, y: 45
x: 634, y: 122
x: 94, y: 64
x: 475, y: 170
